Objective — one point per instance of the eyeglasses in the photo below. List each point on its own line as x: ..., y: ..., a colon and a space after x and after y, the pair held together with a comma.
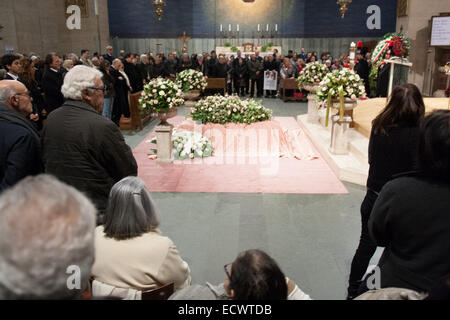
x: 227, y: 269
x: 26, y: 94
x: 100, y: 89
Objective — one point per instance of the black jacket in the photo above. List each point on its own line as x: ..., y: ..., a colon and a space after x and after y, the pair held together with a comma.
x: 220, y: 71
x: 411, y: 219
x: 20, y: 152
x: 51, y: 85
x: 86, y: 150
x: 121, y: 103
x: 134, y: 76
x: 159, y: 70
x: 392, y: 154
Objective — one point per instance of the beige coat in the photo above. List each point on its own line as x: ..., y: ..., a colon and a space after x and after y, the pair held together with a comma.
x: 143, y: 263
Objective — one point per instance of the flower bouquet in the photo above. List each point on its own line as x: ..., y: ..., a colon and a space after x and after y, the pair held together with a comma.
x: 311, y: 76
x: 189, y: 80
x: 189, y: 145
x: 161, y: 97
x: 344, y: 85
x: 229, y: 109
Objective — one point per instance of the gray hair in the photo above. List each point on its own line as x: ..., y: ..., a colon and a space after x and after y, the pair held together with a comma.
x: 46, y: 232
x: 79, y: 78
x: 131, y: 211
x: 7, y: 91
x: 142, y: 57
x: 71, y: 56
x: 108, y: 47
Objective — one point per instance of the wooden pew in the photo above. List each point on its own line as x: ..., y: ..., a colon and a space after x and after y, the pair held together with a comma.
x: 137, y: 118
x: 289, y: 84
x: 217, y: 83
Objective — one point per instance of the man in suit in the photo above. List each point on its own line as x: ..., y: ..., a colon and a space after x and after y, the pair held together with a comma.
x: 11, y: 62
x: 52, y: 81
x: 20, y: 152
x: 130, y: 68
x: 85, y: 58
x: 363, y: 70
x: 109, y: 54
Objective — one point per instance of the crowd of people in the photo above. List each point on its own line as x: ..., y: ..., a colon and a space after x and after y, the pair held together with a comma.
x: 129, y: 72
x: 70, y: 198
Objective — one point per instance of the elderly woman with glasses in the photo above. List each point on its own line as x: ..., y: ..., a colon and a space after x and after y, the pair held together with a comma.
x: 132, y: 256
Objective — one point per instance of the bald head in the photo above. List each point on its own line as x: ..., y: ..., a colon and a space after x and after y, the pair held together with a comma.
x: 15, y: 96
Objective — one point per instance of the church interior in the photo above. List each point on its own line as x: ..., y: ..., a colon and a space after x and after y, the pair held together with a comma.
x: 260, y: 132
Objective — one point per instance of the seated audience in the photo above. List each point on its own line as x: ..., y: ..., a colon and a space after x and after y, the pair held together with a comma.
x: 131, y: 252
x: 411, y: 215
x: 46, y: 240
x: 20, y: 147
x: 393, y: 146
x: 254, y: 275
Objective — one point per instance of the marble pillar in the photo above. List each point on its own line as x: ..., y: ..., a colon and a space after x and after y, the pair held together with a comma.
x: 164, y: 143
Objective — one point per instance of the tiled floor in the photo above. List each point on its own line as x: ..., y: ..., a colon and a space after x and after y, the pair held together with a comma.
x: 312, y: 237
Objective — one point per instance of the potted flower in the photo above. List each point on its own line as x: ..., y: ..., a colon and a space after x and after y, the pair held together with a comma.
x: 345, y: 87
x: 161, y: 97
x: 311, y: 76
x: 192, y: 83
x: 309, y: 80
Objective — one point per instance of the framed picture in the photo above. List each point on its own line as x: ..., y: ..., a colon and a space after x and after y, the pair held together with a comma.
x: 402, y: 8
x: 248, y: 47
x: 83, y: 4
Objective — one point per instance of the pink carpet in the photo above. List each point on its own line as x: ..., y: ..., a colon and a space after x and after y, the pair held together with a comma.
x: 268, y: 157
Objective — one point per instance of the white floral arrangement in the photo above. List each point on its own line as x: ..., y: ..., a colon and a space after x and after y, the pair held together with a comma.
x: 343, y: 81
x: 312, y: 74
x: 229, y: 109
x: 190, y: 79
x: 160, y: 95
x: 189, y: 145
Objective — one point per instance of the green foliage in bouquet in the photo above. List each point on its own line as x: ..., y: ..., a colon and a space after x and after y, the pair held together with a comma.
x: 229, y: 109
x: 190, y: 79
x: 159, y: 95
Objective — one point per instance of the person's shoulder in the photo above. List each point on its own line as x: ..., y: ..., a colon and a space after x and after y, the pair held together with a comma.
x: 403, y: 183
x: 13, y: 130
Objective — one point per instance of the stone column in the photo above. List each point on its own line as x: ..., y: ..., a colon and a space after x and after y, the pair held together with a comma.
x: 164, y: 143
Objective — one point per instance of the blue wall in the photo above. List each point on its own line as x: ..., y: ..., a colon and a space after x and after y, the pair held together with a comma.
x: 202, y: 18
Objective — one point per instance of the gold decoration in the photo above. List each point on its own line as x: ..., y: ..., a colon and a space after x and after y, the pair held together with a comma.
x: 159, y: 7
x: 344, y: 6
x: 402, y: 8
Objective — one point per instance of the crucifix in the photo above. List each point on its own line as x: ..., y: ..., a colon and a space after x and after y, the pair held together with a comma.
x: 184, y: 39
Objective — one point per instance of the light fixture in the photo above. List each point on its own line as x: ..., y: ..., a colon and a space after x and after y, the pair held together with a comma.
x: 159, y: 7
x: 344, y: 6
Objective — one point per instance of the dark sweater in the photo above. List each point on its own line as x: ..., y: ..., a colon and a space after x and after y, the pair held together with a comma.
x: 411, y: 218
x: 391, y: 154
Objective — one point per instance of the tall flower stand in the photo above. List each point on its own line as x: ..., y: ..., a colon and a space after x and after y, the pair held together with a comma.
x: 339, y: 135
x: 313, y: 110
x: 190, y: 98
x: 164, y: 135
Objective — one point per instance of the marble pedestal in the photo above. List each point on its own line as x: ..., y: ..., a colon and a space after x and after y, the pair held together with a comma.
x: 313, y: 111
x: 164, y: 144
x: 188, y: 105
x: 339, y: 135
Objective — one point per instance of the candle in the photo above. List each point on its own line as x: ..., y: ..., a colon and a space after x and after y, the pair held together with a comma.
x: 258, y: 27
x: 276, y: 27
x: 221, y: 28
x: 267, y: 29
x: 229, y: 27
x: 237, y: 27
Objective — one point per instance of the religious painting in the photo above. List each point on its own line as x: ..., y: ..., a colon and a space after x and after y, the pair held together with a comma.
x: 248, y: 47
x: 402, y: 8
x: 83, y: 4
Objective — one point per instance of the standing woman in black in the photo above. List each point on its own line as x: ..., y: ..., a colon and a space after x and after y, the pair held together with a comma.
x: 393, y: 146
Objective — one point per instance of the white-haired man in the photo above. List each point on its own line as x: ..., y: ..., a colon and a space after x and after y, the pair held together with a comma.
x: 20, y: 154
x: 46, y: 240
x: 109, y: 54
x: 82, y: 148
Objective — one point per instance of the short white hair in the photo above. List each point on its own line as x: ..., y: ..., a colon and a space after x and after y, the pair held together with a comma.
x: 79, y: 78
x: 46, y: 228
x: 7, y: 91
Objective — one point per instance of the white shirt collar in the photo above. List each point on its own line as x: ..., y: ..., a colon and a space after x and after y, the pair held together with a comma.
x: 13, y: 76
x: 54, y: 70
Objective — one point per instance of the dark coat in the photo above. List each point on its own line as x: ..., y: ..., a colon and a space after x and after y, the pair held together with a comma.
x: 254, y: 66
x: 86, y: 151
x: 51, y: 85
x: 159, y: 70
x: 411, y: 220
x: 210, y: 66
x: 121, y: 104
x: 220, y: 71
x: 392, y: 154
x: 20, y: 152
x: 170, y: 67
x: 144, y: 71
x: 182, y: 66
x: 134, y: 76
x: 109, y: 58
